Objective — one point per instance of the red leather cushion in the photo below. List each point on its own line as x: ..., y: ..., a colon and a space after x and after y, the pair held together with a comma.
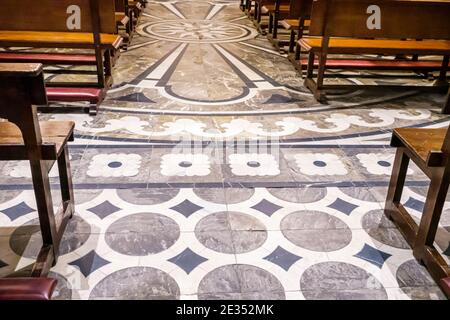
x: 72, y: 94
x: 48, y: 58
x: 27, y: 288
x: 445, y: 285
x: 378, y: 64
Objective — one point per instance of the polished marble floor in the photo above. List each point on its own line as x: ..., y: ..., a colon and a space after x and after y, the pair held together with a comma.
x: 212, y: 173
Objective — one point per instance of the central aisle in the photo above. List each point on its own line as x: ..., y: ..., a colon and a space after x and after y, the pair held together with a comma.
x: 211, y: 173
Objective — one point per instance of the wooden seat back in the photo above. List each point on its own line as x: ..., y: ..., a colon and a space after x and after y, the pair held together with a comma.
x: 300, y: 9
x: 21, y: 89
x: 58, y: 15
x: 386, y: 19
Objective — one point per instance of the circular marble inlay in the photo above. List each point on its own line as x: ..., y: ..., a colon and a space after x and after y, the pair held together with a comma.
x: 412, y: 278
x: 254, y: 164
x: 26, y: 240
x: 139, y: 283
x: 302, y: 227
x: 231, y: 232
x: 320, y: 164
x: 340, y: 281
x: 185, y: 164
x: 63, y: 290
x: 197, y: 31
x: 240, y: 281
x: 382, y: 229
x: 384, y: 163
x: 115, y: 164
x: 142, y: 234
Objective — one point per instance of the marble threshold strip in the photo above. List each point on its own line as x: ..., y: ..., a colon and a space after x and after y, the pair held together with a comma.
x: 223, y: 185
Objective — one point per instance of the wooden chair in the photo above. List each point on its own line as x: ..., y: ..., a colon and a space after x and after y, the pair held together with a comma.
x: 341, y: 27
x: 429, y: 149
x: 23, y: 137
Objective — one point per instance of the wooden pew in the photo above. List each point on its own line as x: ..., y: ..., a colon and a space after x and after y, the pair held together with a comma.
x: 429, y: 149
x: 277, y: 10
x: 23, y: 137
x: 345, y: 27
x: 295, y: 21
x: 56, y: 28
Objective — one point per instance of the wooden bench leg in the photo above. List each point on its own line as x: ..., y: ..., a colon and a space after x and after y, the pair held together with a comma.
x: 442, y: 78
x: 271, y: 24
x: 394, y: 210
x: 65, y: 178
x: 318, y: 94
x: 292, y: 42
x: 446, y: 107
x: 42, y: 191
x: 397, y: 182
x: 424, y: 249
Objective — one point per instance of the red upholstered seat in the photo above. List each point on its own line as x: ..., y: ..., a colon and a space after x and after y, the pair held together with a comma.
x: 379, y: 64
x: 48, y: 58
x: 445, y: 285
x: 27, y: 288
x: 74, y: 94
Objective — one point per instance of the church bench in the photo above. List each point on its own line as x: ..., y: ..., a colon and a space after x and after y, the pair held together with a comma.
x: 70, y: 24
x: 292, y: 15
x: 429, y: 149
x: 27, y: 288
x: 445, y: 285
x: 43, y: 144
x: 94, y: 96
x: 375, y: 27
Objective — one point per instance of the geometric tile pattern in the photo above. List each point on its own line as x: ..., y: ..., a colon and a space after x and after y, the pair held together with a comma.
x: 343, y: 206
x: 89, y: 263
x: 282, y: 258
x: 275, y: 231
x: 188, y: 260
x: 18, y: 211
x: 373, y: 255
x: 186, y: 208
x: 104, y: 209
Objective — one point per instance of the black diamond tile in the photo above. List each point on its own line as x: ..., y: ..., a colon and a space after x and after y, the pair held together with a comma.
x: 187, y: 208
x: 104, y: 209
x: 3, y: 264
x: 18, y: 211
x: 373, y: 255
x: 135, y: 97
x: 415, y: 204
x: 282, y: 258
x: 89, y: 263
x: 343, y: 206
x: 188, y: 260
x: 267, y: 207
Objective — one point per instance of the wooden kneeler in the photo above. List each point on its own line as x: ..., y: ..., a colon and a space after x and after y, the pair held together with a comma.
x: 429, y: 149
x: 23, y: 137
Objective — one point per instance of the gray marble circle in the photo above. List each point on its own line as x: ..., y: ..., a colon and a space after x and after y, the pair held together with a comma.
x: 383, y: 230
x: 137, y: 283
x: 142, y: 234
x: 215, y: 195
x: 340, y: 281
x: 239, y: 281
x: 308, y: 195
x: 302, y: 228
x: 147, y: 196
x: 63, y: 289
x: 231, y: 232
x: 26, y: 240
x: 416, y: 282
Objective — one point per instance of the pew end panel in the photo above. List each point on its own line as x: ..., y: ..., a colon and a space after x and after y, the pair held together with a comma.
x: 43, y: 144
